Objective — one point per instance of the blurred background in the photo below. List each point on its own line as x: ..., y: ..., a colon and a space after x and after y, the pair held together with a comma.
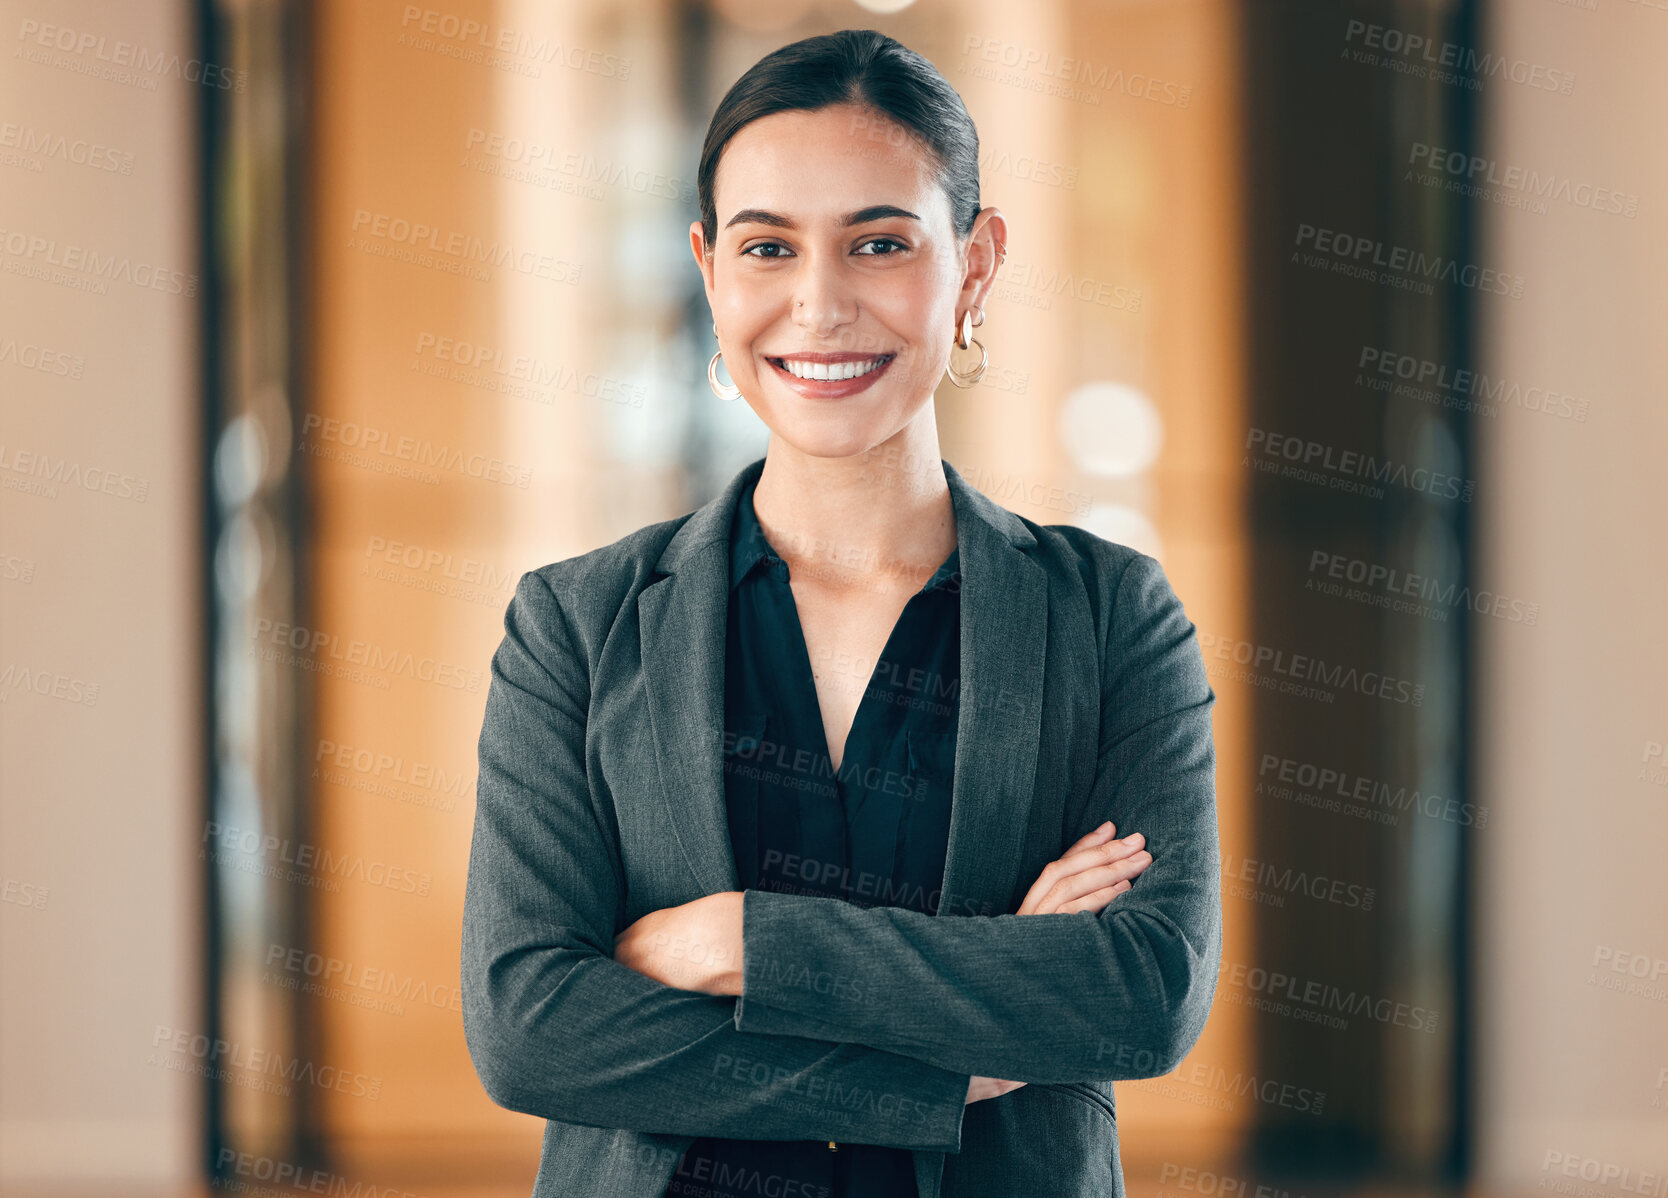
x: 322, y: 322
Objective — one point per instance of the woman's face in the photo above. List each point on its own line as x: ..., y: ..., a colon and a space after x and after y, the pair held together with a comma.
x: 835, y: 257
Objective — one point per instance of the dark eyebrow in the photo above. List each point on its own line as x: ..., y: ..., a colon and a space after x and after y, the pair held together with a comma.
x: 759, y: 216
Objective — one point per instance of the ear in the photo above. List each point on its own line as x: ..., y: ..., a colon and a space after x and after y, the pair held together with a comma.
x: 989, y: 236
x: 698, y: 246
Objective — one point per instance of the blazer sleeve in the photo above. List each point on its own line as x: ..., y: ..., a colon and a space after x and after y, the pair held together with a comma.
x: 555, y: 1027
x: 1040, y: 998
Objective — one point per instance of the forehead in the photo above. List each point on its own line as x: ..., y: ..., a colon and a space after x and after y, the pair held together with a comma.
x: 823, y: 164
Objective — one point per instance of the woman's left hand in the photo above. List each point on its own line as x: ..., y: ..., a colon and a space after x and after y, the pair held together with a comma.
x: 696, y: 946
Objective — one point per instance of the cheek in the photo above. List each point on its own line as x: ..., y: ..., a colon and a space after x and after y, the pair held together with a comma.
x: 910, y: 310
x: 928, y: 305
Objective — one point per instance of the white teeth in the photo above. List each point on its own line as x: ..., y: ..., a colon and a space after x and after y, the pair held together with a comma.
x: 830, y: 370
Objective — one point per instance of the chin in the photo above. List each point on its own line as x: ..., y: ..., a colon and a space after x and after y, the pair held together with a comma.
x: 836, y: 437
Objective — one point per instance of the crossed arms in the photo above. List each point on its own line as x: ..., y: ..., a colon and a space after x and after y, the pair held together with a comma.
x: 557, y: 1028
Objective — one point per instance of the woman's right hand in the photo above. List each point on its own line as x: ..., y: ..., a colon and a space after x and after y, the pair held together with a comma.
x: 1086, y: 877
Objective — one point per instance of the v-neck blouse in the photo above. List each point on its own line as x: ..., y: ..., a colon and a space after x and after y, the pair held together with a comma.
x: 875, y: 833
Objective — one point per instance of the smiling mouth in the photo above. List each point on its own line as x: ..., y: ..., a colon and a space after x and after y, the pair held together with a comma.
x: 831, y: 371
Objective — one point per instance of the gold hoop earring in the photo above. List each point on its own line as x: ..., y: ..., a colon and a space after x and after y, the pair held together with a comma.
x: 964, y: 339
x: 724, y: 391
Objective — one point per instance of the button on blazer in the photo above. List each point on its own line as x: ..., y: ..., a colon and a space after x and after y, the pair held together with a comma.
x: 600, y: 798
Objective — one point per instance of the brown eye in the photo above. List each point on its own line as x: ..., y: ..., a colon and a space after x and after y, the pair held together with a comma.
x: 764, y: 245
x: 882, y: 241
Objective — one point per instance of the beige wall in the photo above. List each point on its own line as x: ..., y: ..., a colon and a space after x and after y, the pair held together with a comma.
x: 99, y: 800
x: 1574, y: 516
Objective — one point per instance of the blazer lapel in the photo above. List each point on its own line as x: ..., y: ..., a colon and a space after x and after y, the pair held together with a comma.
x: 1004, y: 635
x: 1004, y: 631
x: 682, y: 620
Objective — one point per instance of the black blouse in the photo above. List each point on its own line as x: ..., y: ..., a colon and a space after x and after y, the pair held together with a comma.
x: 875, y: 834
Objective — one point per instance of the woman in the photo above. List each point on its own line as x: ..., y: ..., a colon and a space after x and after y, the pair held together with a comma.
x: 795, y: 865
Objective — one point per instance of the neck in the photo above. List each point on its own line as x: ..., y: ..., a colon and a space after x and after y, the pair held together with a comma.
x: 861, y: 521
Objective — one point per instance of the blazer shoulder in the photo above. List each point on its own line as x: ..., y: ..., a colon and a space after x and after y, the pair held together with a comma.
x: 1146, y: 642
x: 592, y: 587
x: 1099, y: 564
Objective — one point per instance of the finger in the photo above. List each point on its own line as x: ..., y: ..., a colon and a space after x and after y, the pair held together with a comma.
x: 1092, y: 854
x: 1082, y: 856
x: 1098, y: 836
x: 1086, y: 881
x: 1089, y: 858
x: 1096, y: 902
x: 1096, y: 854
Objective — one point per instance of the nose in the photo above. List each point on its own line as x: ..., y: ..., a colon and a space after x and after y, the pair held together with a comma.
x: 822, y: 301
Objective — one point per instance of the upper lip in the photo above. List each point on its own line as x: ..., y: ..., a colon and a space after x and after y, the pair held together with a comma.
x: 843, y: 356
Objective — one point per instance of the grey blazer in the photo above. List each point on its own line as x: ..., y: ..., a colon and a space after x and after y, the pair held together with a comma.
x: 600, y: 799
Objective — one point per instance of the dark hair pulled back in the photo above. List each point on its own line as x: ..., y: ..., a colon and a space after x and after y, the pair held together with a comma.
x: 857, y: 66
